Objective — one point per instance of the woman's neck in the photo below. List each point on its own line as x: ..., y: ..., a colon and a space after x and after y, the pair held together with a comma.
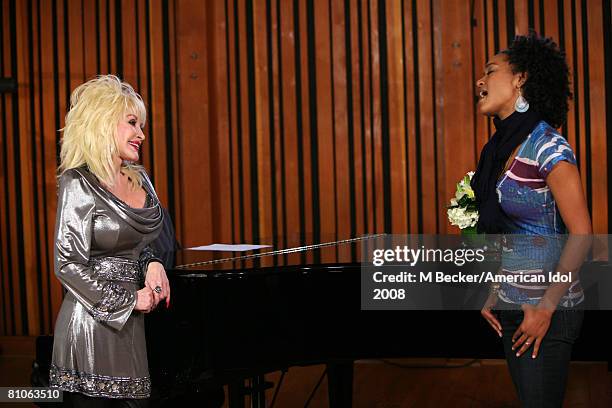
x: 117, y: 170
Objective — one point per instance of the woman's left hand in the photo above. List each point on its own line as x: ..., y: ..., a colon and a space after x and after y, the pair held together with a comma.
x: 536, y: 321
x: 156, y: 277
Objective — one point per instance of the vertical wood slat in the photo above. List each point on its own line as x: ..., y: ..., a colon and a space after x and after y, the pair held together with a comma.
x: 340, y: 119
x: 171, y: 166
x: 357, y: 153
x: 5, y: 314
x: 262, y: 131
x: 276, y: 124
x: 536, y: 16
x: 50, y: 297
x: 365, y: 83
x: 551, y: 20
x: 375, y: 116
x: 337, y: 90
x: 75, y: 41
x: 192, y: 85
x: 428, y: 126
x: 113, y: 62
x: 597, y: 119
x: 156, y: 112
x: 142, y: 78
x: 40, y: 319
x: 222, y: 228
x: 288, y: 144
x: 243, y: 142
x: 90, y: 48
x: 231, y: 81
x: 103, y: 51
x: 502, y: 21
x: 307, y: 151
x: 569, y: 53
x: 261, y: 128
x: 129, y: 46
x: 454, y: 85
x: 410, y: 111
x: 521, y: 17
x: 8, y: 229
x: 581, y: 153
x: 481, y: 56
x: 24, y: 169
x: 325, y: 121
x: 397, y: 136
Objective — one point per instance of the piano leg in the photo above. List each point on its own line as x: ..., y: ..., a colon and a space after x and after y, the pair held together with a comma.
x: 258, y: 392
x: 237, y: 392
x: 340, y: 384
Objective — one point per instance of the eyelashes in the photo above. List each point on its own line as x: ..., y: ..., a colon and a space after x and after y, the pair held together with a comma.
x: 133, y: 123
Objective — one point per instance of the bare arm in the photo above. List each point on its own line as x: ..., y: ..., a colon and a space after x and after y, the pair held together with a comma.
x: 564, y: 183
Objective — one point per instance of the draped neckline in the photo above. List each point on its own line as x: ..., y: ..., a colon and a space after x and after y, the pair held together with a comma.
x: 145, y: 219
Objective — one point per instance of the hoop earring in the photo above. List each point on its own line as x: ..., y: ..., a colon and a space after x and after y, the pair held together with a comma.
x: 521, y: 104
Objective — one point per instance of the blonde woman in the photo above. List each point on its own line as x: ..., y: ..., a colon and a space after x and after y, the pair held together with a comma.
x: 107, y: 214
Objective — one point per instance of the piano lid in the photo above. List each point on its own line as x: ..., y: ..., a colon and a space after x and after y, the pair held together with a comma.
x: 292, y: 251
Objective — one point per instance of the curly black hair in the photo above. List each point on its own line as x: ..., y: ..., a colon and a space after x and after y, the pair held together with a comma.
x: 547, y: 88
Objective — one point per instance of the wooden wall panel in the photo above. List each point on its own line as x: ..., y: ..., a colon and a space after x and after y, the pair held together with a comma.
x: 303, y: 119
x: 50, y: 47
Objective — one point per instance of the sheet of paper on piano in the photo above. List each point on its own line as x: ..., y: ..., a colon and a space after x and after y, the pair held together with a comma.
x: 229, y: 247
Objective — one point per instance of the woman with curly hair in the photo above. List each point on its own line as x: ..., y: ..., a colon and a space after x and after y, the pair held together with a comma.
x: 527, y: 183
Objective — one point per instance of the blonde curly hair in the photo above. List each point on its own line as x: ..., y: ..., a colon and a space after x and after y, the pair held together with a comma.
x: 89, y: 134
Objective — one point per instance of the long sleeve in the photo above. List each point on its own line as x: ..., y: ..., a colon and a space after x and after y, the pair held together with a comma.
x: 149, y: 253
x: 147, y: 256
x: 106, y: 301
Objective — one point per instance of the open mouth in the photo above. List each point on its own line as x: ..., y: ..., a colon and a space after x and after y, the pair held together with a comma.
x: 483, y: 94
x: 135, y: 145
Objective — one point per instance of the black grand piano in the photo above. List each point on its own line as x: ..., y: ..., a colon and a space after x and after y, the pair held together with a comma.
x: 236, y: 316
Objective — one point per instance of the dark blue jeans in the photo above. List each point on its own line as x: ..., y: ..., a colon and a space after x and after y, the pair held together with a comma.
x: 540, y: 382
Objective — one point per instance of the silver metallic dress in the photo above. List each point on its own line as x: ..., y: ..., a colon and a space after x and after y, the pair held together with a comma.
x: 101, y: 254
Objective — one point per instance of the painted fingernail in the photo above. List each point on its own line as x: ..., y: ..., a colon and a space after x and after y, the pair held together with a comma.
x: 518, y: 354
x: 533, y: 356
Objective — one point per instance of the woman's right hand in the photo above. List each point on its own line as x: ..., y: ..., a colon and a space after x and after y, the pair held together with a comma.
x: 145, y: 301
x: 488, y: 314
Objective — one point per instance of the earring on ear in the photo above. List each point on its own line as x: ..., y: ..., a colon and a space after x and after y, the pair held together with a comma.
x: 521, y: 104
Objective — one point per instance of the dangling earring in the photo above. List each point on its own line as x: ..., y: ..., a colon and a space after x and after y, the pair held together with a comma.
x: 521, y: 104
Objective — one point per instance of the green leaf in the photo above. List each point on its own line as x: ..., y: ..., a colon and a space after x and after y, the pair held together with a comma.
x: 464, y: 201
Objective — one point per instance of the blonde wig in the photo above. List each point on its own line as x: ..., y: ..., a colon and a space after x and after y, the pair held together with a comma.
x: 89, y: 134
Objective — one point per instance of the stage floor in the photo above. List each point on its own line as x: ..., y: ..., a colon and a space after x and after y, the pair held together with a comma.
x: 396, y: 383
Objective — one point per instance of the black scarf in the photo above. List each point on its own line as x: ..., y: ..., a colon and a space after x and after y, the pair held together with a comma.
x: 509, y: 133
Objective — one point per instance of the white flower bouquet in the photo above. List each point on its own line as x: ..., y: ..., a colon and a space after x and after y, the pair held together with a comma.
x: 462, y: 210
